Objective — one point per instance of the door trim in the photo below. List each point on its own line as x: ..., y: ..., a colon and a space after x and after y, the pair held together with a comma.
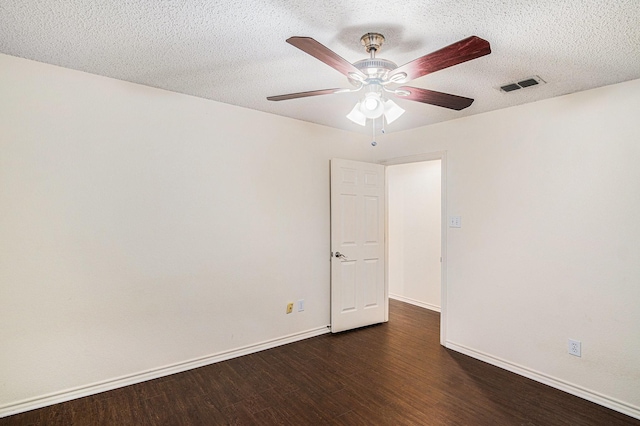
x: 442, y: 156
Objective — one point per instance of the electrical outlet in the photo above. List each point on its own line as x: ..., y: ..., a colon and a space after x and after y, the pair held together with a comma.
x: 300, y: 305
x: 575, y: 347
x: 289, y: 307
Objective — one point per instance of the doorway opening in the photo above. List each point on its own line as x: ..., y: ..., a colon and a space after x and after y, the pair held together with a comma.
x: 413, y: 218
x: 416, y: 232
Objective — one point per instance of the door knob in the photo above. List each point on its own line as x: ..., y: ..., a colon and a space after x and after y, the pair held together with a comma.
x: 341, y: 256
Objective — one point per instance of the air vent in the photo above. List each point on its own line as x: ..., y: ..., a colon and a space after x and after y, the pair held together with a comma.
x: 528, y: 82
x: 522, y: 84
x: 510, y: 87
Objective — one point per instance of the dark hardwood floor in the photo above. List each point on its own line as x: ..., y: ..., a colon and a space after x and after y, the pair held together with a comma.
x: 390, y: 374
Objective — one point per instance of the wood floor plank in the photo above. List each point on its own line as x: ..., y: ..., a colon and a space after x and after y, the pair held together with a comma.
x: 390, y: 374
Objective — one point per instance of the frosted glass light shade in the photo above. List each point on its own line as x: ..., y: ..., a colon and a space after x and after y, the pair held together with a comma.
x: 392, y: 111
x: 372, y: 106
x: 356, y: 116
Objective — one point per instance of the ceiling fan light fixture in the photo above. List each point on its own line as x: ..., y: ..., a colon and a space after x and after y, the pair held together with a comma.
x: 373, y: 75
x: 392, y: 111
x: 356, y: 116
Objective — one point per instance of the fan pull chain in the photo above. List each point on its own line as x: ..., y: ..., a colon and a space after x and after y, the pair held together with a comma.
x: 373, y: 136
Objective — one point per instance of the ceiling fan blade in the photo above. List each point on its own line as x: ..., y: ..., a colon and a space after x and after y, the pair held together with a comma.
x: 431, y: 97
x: 326, y: 55
x: 462, y: 51
x: 304, y: 94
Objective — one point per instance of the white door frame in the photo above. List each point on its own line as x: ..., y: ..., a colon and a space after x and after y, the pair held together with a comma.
x: 442, y: 156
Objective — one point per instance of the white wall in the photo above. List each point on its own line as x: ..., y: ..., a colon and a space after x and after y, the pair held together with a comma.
x: 414, y: 201
x: 549, y: 195
x: 141, y: 229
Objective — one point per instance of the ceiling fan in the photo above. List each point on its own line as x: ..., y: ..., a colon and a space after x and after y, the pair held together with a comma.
x: 375, y: 75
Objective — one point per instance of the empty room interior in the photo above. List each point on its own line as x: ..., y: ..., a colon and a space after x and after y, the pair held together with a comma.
x: 170, y: 177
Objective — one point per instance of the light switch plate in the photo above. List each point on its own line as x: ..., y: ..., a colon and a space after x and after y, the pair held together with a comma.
x: 455, y: 222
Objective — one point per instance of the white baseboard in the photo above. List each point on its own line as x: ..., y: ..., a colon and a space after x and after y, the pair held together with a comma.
x: 415, y: 302
x: 579, y: 391
x: 143, y: 376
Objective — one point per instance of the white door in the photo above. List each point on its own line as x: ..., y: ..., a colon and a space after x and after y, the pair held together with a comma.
x: 357, y: 244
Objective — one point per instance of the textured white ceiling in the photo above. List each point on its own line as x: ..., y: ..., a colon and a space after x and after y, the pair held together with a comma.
x: 235, y: 52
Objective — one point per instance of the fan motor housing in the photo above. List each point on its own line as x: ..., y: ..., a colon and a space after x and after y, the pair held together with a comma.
x: 375, y: 68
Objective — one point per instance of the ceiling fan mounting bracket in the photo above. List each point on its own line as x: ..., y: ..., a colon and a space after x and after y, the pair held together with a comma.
x: 372, y: 41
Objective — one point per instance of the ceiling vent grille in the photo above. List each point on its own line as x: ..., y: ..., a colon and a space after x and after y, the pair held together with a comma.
x: 522, y: 84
